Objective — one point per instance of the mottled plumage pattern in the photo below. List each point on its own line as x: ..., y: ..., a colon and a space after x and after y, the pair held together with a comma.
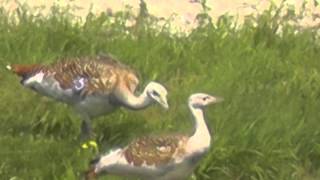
x: 99, y: 78
x: 155, y: 150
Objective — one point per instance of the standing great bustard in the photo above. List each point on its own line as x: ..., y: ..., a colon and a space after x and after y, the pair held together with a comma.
x: 92, y: 86
x: 171, y: 157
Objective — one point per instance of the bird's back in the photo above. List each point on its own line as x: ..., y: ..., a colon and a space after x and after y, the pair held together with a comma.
x: 155, y: 150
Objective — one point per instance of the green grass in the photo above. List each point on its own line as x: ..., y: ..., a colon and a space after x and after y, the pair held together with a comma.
x: 267, y: 127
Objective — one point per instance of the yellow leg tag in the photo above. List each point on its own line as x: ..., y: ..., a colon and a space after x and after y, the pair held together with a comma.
x: 88, y: 144
x: 84, y: 146
x: 93, y: 144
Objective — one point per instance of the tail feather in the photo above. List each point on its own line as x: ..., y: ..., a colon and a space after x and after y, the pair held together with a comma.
x: 23, y: 70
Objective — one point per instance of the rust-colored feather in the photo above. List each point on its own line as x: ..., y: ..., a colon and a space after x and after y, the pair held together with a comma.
x: 25, y: 70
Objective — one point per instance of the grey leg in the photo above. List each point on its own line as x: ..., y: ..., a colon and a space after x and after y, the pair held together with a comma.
x: 86, y: 129
x: 87, y: 135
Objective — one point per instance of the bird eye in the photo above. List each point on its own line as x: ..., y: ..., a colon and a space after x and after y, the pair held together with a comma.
x: 155, y: 93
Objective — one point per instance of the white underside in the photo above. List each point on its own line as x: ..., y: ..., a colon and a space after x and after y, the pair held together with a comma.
x: 91, y: 106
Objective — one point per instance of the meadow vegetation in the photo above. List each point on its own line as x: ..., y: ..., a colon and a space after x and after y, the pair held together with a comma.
x: 267, y: 127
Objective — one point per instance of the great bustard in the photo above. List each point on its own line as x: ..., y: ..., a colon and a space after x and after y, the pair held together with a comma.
x: 171, y: 157
x: 93, y: 86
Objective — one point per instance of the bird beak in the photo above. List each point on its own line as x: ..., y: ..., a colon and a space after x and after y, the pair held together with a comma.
x: 164, y: 103
x: 217, y: 99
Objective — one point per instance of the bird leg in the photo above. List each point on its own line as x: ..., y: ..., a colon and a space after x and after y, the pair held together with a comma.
x: 87, y: 134
x: 86, y: 130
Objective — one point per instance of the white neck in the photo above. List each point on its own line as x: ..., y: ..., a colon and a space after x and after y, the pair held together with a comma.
x: 134, y: 102
x: 201, y: 137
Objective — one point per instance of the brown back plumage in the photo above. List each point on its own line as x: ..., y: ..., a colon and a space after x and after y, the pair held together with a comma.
x: 103, y: 74
x: 155, y: 150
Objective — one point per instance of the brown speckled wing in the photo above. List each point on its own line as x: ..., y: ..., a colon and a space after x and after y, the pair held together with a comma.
x: 155, y: 150
x: 101, y: 74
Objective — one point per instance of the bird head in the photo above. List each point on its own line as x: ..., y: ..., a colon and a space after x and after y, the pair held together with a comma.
x: 200, y: 100
x: 158, y: 93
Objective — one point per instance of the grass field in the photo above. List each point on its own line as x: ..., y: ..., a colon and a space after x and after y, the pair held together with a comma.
x: 267, y: 127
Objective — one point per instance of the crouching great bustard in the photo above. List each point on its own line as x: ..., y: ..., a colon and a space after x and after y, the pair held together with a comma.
x: 171, y: 157
x: 93, y: 86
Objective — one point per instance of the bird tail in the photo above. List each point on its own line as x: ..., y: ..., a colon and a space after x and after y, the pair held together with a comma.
x: 23, y: 70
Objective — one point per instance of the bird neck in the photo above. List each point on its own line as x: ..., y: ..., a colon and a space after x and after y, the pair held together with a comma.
x: 134, y: 102
x: 201, y: 136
